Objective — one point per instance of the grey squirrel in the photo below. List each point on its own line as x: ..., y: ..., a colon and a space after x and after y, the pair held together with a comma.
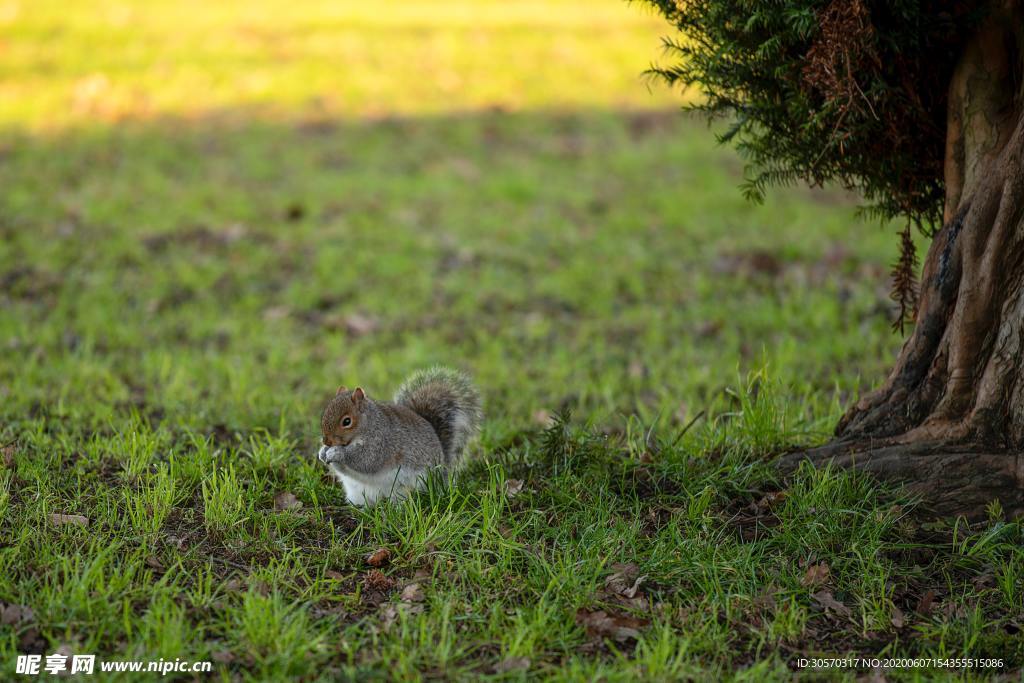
x: 378, y: 449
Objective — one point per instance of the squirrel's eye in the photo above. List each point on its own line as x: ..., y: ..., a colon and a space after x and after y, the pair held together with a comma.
x: 347, y: 422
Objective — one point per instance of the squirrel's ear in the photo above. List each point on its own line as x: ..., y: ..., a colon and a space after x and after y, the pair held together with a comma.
x: 357, y: 396
x: 342, y: 389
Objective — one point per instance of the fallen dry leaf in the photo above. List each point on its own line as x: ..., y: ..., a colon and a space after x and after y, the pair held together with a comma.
x: 332, y: 574
x: 897, y: 619
x: 154, y: 562
x: 412, y: 593
x: 379, y: 557
x: 358, y: 325
x: 625, y: 579
x: 924, y: 607
x: 77, y: 520
x: 286, y: 501
x: 637, y: 369
x: 389, y: 613
x: 388, y: 616
x: 765, y: 600
x: 816, y: 575
x: 876, y: 676
x: 770, y: 500
x: 32, y: 641
x: 275, y: 313
x: 828, y: 601
x: 618, y: 627
x: 15, y: 614
x: 336, y: 611
x: 512, y: 664
x: 983, y: 580
x: 7, y: 455
x: 513, y: 487
x: 295, y: 211
x: 376, y: 580
x: 954, y: 611
x: 709, y: 328
x: 176, y: 542
x: 236, y: 583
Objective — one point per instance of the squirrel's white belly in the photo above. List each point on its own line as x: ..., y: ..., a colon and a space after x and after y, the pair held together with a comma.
x: 368, y: 489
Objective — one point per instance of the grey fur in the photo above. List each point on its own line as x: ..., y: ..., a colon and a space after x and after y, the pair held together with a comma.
x: 389, y: 433
x: 450, y: 402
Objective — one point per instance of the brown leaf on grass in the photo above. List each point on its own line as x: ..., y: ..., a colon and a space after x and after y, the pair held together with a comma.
x: 897, y: 619
x: 15, y: 614
x: 618, y: 627
x: 828, y: 601
x: 336, y: 575
x: 376, y: 580
x: 388, y: 616
x: 753, y: 262
x: 625, y: 579
x: 876, y: 675
x: 412, y: 593
x: 7, y: 456
x: 154, y: 562
x: 379, y: 557
x: 60, y: 519
x: 286, y: 501
x: 510, y: 664
x: 513, y: 487
x: 32, y: 641
x: 275, y: 313
x: 924, y: 607
x: 710, y: 328
x: 234, y: 584
x: 769, y: 500
x: 984, y: 580
x: 295, y: 212
x: 389, y: 613
x: 816, y: 575
x: 954, y: 610
x: 359, y: 325
x: 765, y: 600
x: 223, y: 656
x: 175, y: 542
x: 335, y: 611
x: 637, y: 369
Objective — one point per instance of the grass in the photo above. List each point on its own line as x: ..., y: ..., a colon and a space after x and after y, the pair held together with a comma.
x: 207, y: 229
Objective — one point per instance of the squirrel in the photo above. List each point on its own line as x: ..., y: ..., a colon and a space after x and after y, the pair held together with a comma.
x: 378, y: 449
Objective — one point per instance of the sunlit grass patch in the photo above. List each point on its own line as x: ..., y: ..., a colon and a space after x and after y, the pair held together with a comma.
x: 85, y: 63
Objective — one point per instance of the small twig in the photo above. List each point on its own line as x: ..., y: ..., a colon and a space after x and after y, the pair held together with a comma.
x: 687, y: 428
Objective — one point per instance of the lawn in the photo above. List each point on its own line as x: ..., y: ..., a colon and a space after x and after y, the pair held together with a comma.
x: 211, y: 217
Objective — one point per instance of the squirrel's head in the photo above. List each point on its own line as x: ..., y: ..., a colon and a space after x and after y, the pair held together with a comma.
x: 341, y: 416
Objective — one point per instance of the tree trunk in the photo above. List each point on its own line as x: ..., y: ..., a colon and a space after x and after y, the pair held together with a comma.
x: 949, y: 419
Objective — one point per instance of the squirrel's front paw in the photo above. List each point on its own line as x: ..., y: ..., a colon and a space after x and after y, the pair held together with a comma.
x: 329, y: 454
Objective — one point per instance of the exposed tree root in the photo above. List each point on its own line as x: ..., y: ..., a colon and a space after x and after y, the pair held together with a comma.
x: 951, y: 480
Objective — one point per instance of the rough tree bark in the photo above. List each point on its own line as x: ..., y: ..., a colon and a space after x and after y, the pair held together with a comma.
x: 949, y: 420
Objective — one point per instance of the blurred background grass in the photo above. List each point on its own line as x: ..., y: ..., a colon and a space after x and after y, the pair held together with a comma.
x: 216, y: 212
x: 103, y: 61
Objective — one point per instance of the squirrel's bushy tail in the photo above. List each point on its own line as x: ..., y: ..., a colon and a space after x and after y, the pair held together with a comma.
x: 449, y: 401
